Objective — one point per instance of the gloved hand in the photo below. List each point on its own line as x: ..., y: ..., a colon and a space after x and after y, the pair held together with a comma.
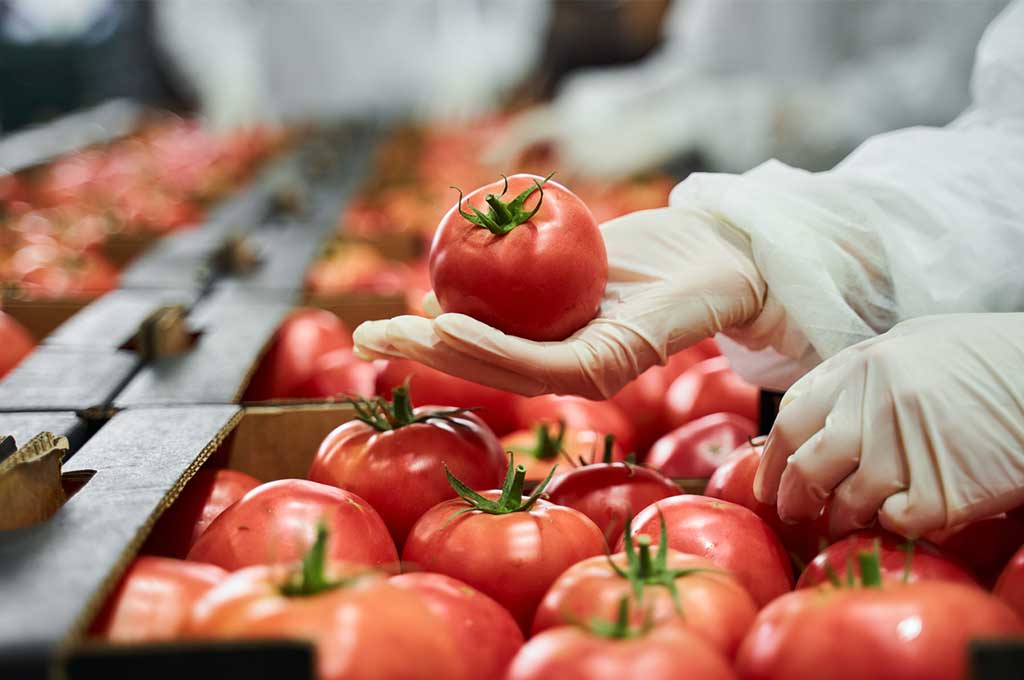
x: 676, y: 276
x: 922, y: 426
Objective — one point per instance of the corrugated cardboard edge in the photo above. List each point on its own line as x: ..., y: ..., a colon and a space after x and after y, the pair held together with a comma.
x: 30, y: 482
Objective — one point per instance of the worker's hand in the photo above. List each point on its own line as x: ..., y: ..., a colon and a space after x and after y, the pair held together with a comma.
x: 922, y: 426
x: 676, y: 276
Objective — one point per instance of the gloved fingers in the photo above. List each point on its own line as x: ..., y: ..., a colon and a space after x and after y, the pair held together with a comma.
x: 823, y: 461
x: 431, y: 307
x: 909, y: 514
x: 595, y: 362
x: 413, y: 337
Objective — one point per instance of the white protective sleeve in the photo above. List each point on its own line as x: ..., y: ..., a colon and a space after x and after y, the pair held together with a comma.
x: 914, y: 222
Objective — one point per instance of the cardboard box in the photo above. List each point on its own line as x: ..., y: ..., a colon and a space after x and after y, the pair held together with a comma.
x: 55, y: 378
x: 41, y: 317
x: 137, y: 465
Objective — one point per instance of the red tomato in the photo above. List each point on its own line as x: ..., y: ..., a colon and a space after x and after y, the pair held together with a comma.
x: 154, y: 599
x: 610, y: 493
x: 897, y: 632
x: 339, y: 373
x: 643, y: 400
x: 707, y: 601
x: 484, y: 632
x: 395, y: 458
x: 1010, y: 586
x: 507, y: 547
x: 541, y: 280
x: 362, y: 626
x: 731, y: 536
x: 495, y: 407
x: 545, y: 446
x: 15, y: 343
x: 664, y: 653
x: 699, y: 447
x: 273, y: 523
x: 984, y: 546
x: 290, y: 361
x: 733, y: 481
x: 205, y: 496
x: 578, y: 414
x: 710, y: 387
x: 923, y: 562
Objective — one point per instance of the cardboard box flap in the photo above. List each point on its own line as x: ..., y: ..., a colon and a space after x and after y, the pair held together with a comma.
x: 112, y: 321
x: 23, y: 426
x: 30, y: 484
x: 235, y: 327
x: 57, y: 573
x: 66, y: 379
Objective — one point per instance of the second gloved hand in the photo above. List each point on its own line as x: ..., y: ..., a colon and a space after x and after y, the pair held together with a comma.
x: 676, y: 276
x: 922, y: 426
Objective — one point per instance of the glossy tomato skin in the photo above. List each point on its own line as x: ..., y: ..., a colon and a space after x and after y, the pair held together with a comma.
x: 699, y: 447
x: 290, y: 361
x: 899, y: 632
x: 665, y: 653
x: 733, y: 481
x: 577, y: 445
x: 276, y: 522
x: 984, y: 546
x: 610, y: 493
x: 713, y: 603
x: 15, y: 343
x: 339, y: 373
x: 154, y: 599
x: 367, y: 630
x: 542, y: 281
x: 731, y: 536
x: 513, y: 558
x: 430, y: 386
x: 400, y: 472
x: 1010, y: 586
x: 484, y: 632
x: 927, y: 561
x: 579, y: 414
x: 710, y: 387
x: 205, y: 496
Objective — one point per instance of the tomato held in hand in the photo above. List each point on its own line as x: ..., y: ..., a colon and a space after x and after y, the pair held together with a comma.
x: 15, y: 343
x: 609, y: 493
x: 430, y: 386
x: 886, y: 630
x: 899, y: 560
x: 290, y: 361
x: 538, y: 272
x: 612, y: 650
x: 578, y: 414
x: 154, y: 599
x: 394, y: 457
x: 1010, y: 586
x: 506, y: 546
x: 539, y: 450
x: 669, y: 588
x: 484, y: 632
x: 205, y: 496
x: 710, y: 387
x: 699, y: 447
x: 729, y: 535
x: 361, y: 625
x: 274, y: 523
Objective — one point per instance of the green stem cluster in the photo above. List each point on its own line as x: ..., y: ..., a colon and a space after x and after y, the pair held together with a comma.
x: 502, y: 217
x: 383, y: 415
x: 511, y: 499
x: 311, y: 577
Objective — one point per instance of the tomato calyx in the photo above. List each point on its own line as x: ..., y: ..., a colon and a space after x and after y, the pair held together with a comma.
x: 546, y: 446
x: 511, y: 499
x: 383, y: 415
x: 619, y: 629
x: 643, y: 570
x: 869, y: 563
x: 311, y: 578
x: 502, y: 217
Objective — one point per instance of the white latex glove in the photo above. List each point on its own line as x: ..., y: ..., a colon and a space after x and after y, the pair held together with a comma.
x: 676, y: 276
x: 922, y: 426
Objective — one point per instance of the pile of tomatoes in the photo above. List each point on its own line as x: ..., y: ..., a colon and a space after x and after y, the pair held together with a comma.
x: 452, y: 531
x: 55, y: 220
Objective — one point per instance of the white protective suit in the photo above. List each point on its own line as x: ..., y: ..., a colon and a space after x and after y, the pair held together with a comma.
x: 291, y: 60
x: 743, y: 81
